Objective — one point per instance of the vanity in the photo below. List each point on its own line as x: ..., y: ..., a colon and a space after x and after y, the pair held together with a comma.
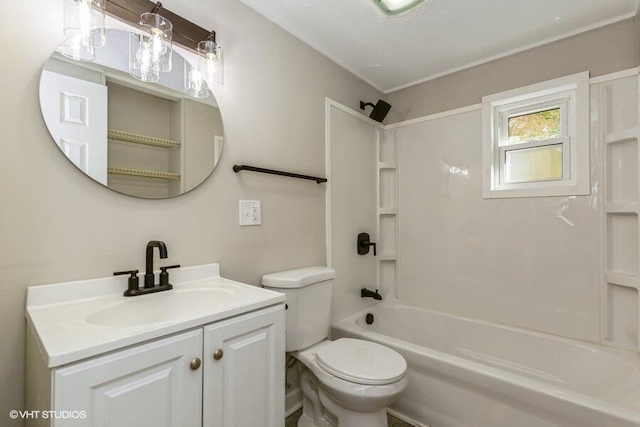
x: 208, y: 353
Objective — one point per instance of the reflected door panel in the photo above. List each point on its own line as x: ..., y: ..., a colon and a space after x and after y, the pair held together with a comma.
x: 75, y: 111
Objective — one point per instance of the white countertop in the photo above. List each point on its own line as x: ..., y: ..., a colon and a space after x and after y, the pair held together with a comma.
x: 58, y: 313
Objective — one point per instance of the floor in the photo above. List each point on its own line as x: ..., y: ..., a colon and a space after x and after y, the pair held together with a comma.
x: 292, y: 420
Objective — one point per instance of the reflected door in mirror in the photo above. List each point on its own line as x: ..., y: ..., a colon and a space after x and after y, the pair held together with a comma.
x: 76, y: 113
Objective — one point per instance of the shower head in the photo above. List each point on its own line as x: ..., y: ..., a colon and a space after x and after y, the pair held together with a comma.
x: 380, y: 110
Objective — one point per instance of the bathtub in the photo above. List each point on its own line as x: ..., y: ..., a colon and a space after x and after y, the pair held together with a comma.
x: 465, y: 373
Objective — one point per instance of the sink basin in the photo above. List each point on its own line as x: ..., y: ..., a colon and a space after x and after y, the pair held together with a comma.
x: 163, y: 307
x: 73, y: 321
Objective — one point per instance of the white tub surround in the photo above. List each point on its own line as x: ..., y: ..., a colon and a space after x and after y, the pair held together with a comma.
x: 76, y: 320
x: 464, y: 372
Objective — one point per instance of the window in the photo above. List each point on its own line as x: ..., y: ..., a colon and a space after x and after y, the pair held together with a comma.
x: 536, y: 140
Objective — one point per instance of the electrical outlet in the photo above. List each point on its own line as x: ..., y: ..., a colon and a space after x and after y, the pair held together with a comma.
x: 250, y: 212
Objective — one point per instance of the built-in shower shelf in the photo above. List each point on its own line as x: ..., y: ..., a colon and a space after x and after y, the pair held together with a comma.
x: 621, y: 135
x: 142, y: 139
x: 620, y: 127
x: 387, y: 165
x: 143, y: 173
x: 621, y: 280
x: 622, y: 208
x: 390, y: 256
x: 388, y: 211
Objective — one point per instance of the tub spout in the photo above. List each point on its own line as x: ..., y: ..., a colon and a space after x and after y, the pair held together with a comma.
x: 366, y: 293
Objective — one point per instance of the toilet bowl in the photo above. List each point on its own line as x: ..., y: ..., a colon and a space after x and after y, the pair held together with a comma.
x: 347, y: 382
x: 353, y: 380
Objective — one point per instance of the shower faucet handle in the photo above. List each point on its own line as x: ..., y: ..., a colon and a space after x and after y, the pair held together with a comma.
x: 363, y: 244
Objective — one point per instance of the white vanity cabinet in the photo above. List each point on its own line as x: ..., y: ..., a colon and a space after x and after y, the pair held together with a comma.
x: 244, y: 372
x: 148, y: 385
x: 177, y: 382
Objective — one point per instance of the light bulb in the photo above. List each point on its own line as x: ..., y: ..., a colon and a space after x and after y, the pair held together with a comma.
x: 159, y: 32
x: 209, y: 59
x: 84, y: 23
x: 141, y: 61
x: 196, y: 87
x: 158, y: 47
x: 144, y: 57
x: 77, y: 49
x: 85, y: 17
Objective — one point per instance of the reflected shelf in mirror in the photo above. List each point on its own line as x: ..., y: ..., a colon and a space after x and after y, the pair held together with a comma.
x: 142, y: 139
x: 118, y: 130
x: 143, y: 173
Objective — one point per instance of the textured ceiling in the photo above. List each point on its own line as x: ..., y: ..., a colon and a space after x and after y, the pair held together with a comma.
x: 437, y: 37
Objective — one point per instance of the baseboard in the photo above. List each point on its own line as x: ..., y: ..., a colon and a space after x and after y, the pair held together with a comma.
x: 406, y: 419
x: 293, y: 401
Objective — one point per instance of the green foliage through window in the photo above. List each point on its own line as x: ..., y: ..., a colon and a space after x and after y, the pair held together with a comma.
x: 535, y: 126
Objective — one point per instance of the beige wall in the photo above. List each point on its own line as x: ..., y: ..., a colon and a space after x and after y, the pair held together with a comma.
x: 637, y: 25
x: 56, y: 224
x: 202, y: 123
x: 602, y: 51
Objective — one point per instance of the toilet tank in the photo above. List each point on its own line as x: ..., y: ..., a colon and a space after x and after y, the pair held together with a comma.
x: 308, y: 299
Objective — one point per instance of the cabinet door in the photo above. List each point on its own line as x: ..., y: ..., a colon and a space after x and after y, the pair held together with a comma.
x: 245, y: 388
x: 151, y: 385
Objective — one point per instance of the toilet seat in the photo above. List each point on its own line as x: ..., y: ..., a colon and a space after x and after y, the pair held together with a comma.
x: 361, y: 362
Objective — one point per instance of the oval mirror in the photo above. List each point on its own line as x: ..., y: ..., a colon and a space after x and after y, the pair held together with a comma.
x: 150, y: 140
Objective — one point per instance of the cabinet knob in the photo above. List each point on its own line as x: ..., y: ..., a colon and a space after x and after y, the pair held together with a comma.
x: 217, y: 355
x: 195, y: 364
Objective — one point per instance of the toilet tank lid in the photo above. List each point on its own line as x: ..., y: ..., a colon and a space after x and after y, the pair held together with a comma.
x: 298, y: 278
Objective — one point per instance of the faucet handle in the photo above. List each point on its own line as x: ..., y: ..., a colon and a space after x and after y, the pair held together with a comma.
x: 169, y: 267
x: 164, y: 274
x: 363, y: 244
x: 131, y: 272
x: 133, y: 282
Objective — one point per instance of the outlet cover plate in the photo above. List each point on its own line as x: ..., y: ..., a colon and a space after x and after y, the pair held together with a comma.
x: 250, y: 213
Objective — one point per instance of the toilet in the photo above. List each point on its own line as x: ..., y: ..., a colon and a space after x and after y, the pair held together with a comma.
x: 347, y: 382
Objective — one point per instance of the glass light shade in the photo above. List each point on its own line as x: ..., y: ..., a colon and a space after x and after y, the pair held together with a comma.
x: 84, y: 22
x: 209, y: 59
x: 160, y: 33
x: 195, y: 84
x: 76, y: 49
x: 394, y: 7
x: 141, y: 59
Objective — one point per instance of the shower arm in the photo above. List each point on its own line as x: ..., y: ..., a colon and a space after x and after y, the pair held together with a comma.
x: 365, y: 104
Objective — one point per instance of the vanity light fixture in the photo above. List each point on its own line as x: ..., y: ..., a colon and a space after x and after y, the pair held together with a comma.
x: 84, y: 26
x: 141, y: 63
x: 395, y: 7
x: 150, y: 51
x: 210, y: 57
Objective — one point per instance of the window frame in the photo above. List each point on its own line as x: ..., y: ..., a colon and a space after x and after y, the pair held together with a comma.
x: 571, y: 95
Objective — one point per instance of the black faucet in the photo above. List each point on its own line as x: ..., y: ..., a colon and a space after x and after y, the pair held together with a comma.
x: 149, y: 280
x: 366, y: 293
